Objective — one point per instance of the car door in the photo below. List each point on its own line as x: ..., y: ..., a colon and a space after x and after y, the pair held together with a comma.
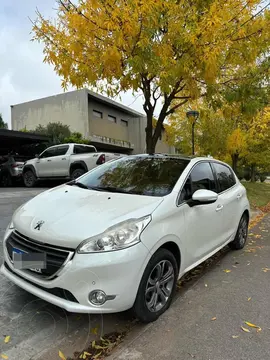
x: 202, y: 222
x: 229, y: 196
x: 44, y: 165
x: 60, y: 162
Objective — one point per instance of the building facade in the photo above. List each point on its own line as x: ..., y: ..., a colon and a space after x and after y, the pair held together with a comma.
x: 109, y: 125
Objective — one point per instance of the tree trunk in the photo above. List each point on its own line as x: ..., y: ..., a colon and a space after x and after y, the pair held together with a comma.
x: 253, y: 168
x: 150, y: 149
x: 235, y: 158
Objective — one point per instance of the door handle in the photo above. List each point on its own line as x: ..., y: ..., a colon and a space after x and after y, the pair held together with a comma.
x: 238, y: 197
x: 219, y: 208
x: 64, y: 159
x: 49, y: 160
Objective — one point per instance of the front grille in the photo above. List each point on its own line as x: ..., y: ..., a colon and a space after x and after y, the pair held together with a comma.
x: 55, y: 257
x: 59, y: 292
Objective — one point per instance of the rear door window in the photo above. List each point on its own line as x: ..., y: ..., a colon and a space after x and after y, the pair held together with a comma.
x: 225, y: 177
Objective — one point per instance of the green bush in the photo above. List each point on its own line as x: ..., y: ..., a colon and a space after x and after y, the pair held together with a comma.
x: 262, y: 178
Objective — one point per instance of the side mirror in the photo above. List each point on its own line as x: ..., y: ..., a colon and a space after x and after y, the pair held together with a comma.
x: 37, y: 156
x: 203, y: 197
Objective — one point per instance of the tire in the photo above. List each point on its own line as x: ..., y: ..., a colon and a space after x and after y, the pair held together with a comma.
x: 6, y: 180
x: 29, y: 178
x: 152, y: 300
x: 77, y: 173
x: 241, y: 235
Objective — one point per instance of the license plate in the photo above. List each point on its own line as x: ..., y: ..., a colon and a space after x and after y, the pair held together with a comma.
x: 28, y: 261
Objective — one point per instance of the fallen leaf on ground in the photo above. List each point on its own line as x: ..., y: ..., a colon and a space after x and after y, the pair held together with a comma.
x: 245, y: 329
x: 213, y: 319
x: 7, y: 338
x: 205, y: 285
x: 94, y: 331
x: 3, y: 356
x: 252, y: 325
x: 258, y: 236
x: 249, y: 298
x: 251, y: 234
x: 251, y: 250
x: 97, y: 355
x: 227, y: 271
x: 235, y: 336
x: 265, y: 269
x: 61, y: 355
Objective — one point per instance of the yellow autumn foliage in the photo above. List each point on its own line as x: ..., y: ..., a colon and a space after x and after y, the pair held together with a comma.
x: 167, y: 50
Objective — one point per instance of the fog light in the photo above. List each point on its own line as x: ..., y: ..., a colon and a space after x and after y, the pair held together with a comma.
x: 97, y: 297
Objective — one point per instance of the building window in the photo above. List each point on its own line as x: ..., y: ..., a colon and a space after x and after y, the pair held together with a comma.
x: 98, y: 114
x: 124, y: 122
x: 112, y: 118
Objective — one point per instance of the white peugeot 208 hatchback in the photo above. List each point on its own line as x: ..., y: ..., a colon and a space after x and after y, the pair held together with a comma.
x: 121, y: 236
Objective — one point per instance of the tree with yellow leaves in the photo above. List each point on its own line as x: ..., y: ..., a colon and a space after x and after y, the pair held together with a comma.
x: 171, y: 51
x: 257, y: 152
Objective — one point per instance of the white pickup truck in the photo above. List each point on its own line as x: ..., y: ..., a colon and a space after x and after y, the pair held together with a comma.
x: 64, y: 161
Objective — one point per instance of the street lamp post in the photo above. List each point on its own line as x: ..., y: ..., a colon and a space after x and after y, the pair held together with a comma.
x: 193, y: 115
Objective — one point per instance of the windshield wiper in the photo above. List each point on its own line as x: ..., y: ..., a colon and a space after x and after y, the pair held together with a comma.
x: 79, y: 184
x: 83, y: 186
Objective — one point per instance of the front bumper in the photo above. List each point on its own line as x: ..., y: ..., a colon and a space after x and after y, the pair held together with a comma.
x: 117, y: 273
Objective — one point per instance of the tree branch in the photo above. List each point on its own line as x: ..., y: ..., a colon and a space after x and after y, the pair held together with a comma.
x: 172, y: 110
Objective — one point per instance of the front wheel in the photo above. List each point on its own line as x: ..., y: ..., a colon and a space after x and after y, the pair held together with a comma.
x: 241, y: 235
x: 157, y: 286
x: 29, y: 178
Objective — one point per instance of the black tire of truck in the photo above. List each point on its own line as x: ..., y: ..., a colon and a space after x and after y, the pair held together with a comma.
x: 75, y: 173
x: 29, y: 178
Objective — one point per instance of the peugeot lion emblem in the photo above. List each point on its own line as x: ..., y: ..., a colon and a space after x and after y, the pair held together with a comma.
x: 39, y: 224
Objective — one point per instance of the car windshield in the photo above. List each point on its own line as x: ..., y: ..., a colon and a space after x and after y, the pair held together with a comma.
x: 152, y: 175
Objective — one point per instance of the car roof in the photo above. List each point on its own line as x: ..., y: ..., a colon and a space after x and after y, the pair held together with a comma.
x: 161, y: 155
x: 191, y: 159
x: 68, y: 145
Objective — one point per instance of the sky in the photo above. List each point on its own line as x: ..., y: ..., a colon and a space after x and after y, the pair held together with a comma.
x: 23, y: 75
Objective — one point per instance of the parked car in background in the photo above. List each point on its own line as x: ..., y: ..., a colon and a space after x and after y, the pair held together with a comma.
x: 121, y: 236
x: 65, y: 161
x: 11, y: 167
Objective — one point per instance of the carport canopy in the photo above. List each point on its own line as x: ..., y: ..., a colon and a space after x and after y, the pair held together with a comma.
x: 11, y: 140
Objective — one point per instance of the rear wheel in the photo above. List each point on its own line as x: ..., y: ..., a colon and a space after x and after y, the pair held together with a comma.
x: 157, y: 286
x: 241, y: 235
x: 29, y: 178
x: 77, y: 173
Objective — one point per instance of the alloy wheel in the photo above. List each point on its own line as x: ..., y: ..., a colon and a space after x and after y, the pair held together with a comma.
x: 159, y: 286
x: 243, y: 230
x: 28, y: 178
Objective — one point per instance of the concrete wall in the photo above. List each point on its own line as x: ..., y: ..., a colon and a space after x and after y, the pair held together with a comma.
x: 103, y: 126
x: 75, y: 109
x: 68, y: 108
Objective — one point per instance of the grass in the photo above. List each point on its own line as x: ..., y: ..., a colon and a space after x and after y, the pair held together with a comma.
x: 258, y: 193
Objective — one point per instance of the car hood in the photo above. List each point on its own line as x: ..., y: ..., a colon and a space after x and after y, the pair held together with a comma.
x: 71, y: 214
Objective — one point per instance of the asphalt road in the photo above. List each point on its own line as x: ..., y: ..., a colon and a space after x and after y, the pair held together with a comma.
x: 37, y: 329
x: 206, y: 319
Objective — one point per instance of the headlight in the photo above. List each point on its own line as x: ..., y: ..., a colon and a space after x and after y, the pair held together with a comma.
x: 117, y: 237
